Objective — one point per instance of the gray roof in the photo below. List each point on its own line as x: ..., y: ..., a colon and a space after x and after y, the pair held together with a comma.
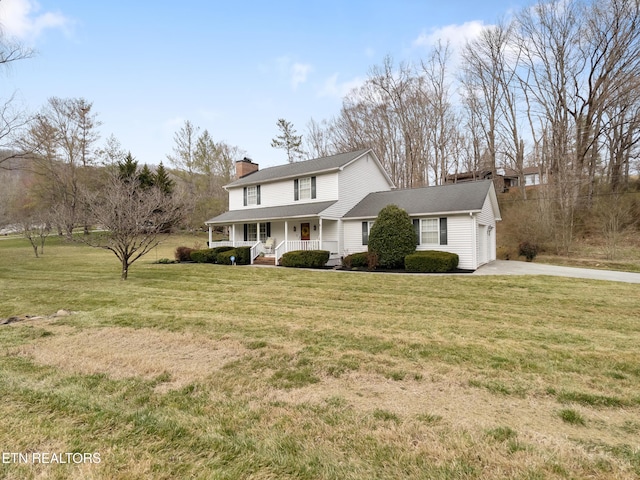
x: 316, y: 165
x: 459, y: 197
x: 271, y: 213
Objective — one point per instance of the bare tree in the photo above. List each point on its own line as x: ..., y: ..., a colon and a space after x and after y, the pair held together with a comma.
x: 133, y: 218
x: 317, y: 141
x: 12, y: 118
x: 60, y: 138
x: 183, y: 158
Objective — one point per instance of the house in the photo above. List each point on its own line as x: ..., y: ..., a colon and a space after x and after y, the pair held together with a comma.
x: 330, y: 203
x: 504, y: 178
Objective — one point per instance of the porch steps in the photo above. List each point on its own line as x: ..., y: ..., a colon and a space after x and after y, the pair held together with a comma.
x: 265, y: 261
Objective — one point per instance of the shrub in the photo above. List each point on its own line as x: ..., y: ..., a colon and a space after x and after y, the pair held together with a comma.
x: 183, y: 254
x: 392, y: 237
x: 528, y: 250
x: 206, y: 255
x: 243, y: 255
x: 218, y: 250
x: 372, y: 260
x: 164, y: 261
x: 431, y: 261
x: 305, y: 258
x: 356, y: 260
x: 224, y: 258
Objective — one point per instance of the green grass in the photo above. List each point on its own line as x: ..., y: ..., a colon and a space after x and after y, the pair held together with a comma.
x: 207, y: 371
x: 571, y: 416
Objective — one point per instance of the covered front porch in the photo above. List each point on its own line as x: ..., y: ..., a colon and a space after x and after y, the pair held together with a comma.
x: 270, y: 239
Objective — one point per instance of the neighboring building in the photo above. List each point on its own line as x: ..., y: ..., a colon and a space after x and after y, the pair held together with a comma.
x: 504, y: 179
x: 329, y: 203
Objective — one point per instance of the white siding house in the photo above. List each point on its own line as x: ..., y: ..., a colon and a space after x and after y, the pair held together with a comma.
x: 329, y: 203
x: 458, y: 218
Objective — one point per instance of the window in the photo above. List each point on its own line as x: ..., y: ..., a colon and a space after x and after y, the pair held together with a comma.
x: 431, y: 231
x: 252, y: 195
x: 251, y: 231
x: 304, y: 188
x: 366, y: 228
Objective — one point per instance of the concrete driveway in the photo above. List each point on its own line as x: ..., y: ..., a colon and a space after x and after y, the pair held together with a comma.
x: 511, y: 267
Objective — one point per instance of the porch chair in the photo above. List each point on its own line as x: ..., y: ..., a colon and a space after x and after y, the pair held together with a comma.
x: 269, y: 244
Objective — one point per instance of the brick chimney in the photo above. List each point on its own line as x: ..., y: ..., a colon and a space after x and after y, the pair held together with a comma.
x: 244, y: 167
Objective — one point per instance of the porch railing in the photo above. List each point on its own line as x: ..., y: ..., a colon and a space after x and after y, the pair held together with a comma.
x: 230, y: 243
x: 283, y: 247
x: 280, y: 250
x: 256, y: 249
x: 303, y: 245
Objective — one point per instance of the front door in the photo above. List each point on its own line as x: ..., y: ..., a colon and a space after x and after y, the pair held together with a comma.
x: 305, y: 233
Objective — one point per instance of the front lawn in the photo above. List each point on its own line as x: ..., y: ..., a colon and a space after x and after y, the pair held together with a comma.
x: 211, y: 371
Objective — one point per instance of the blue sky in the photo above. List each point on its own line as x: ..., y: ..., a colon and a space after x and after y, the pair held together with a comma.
x: 232, y: 68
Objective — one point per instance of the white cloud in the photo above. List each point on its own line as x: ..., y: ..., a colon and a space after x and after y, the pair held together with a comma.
x: 21, y: 19
x: 333, y: 88
x: 299, y: 73
x: 456, y: 35
x: 295, y: 72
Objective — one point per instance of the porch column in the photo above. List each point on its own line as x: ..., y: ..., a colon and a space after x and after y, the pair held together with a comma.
x: 320, y: 229
x: 233, y: 234
x: 286, y: 233
x: 210, y: 236
x: 258, y: 232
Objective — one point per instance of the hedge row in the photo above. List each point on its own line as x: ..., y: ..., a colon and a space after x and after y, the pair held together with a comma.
x: 220, y: 255
x: 305, y: 258
x: 431, y: 261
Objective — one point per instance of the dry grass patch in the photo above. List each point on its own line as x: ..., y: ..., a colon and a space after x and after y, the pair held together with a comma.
x: 120, y: 352
x: 204, y: 371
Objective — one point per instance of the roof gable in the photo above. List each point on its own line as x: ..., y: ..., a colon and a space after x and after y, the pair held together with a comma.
x: 297, y: 169
x: 460, y: 197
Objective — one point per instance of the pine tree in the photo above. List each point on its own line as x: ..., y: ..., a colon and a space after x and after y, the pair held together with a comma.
x: 127, y: 169
x: 288, y: 140
x: 146, y: 177
x: 162, y: 180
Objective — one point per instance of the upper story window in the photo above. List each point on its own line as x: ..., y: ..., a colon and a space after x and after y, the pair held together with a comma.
x: 304, y: 188
x: 252, y: 195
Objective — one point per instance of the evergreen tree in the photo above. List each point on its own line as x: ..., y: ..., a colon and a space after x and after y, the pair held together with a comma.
x: 162, y: 180
x: 127, y: 170
x: 392, y: 237
x: 146, y: 177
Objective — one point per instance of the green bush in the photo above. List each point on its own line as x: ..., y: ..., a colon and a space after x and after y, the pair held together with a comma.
x: 183, y: 254
x: 305, y: 258
x: 224, y: 258
x: 243, y: 256
x: 207, y: 255
x: 368, y: 260
x: 431, y: 261
x: 164, y: 261
x: 392, y: 237
x: 218, y: 250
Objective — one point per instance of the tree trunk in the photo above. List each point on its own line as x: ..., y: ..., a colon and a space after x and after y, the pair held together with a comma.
x: 125, y: 269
